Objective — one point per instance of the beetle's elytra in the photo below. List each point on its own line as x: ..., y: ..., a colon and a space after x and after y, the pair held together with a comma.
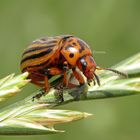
x: 49, y: 56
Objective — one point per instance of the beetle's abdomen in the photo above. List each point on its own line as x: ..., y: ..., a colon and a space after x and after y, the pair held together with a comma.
x: 40, y: 53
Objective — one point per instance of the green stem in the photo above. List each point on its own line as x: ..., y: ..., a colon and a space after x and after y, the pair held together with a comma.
x: 112, y: 85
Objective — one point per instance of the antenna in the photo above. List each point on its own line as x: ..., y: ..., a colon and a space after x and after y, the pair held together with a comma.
x: 113, y: 70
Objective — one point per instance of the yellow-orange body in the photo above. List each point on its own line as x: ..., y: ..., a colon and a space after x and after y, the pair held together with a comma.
x: 52, y: 53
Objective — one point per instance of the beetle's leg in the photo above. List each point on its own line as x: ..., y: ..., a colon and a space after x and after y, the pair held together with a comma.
x: 65, y: 69
x: 37, y: 83
x: 57, y: 71
x: 65, y: 82
x: 70, y: 83
x: 78, y: 76
x: 47, y: 85
x: 74, y: 83
x: 59, y: 94
x: 44, y: 90
x: 36, y: 78
x: 53, y: 71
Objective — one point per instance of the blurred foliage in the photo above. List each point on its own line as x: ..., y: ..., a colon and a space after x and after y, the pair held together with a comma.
x: 112, y: 26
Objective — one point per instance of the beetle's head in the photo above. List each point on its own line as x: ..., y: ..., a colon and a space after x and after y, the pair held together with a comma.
x: 88, y: 66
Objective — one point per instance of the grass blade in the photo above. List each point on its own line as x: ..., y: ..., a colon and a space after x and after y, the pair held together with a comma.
x: 11, y: 85
x: 33, y: 119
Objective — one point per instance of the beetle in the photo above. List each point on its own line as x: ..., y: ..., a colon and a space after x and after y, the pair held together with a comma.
x: 49, y: 56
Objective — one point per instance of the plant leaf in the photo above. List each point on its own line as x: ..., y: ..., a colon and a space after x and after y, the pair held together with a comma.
x: 10, y: 85
x: 35, y: 119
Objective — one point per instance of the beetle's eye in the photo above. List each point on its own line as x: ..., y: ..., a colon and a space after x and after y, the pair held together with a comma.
x: 84, y: 65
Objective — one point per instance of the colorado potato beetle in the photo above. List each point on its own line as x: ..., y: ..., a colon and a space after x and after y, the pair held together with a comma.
x: 49, y: 56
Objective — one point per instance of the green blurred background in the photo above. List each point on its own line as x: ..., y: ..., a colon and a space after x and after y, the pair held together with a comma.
x: 112, y: 26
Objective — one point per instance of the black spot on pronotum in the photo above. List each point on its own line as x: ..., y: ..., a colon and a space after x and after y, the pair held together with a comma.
x: 74, y: 44
x: 71, y: 55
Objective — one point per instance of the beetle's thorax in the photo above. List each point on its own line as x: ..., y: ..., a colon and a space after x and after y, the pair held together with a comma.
x: 74, y: 48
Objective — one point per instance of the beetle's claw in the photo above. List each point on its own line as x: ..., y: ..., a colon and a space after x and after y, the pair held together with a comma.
x: 89, y: 81
x: 94, y: 82
x: 39, y: 95
x: 59, y: 93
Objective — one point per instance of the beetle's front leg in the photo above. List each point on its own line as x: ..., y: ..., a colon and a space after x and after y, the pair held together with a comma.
x: 78, y: 76
x: 65, y: 69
